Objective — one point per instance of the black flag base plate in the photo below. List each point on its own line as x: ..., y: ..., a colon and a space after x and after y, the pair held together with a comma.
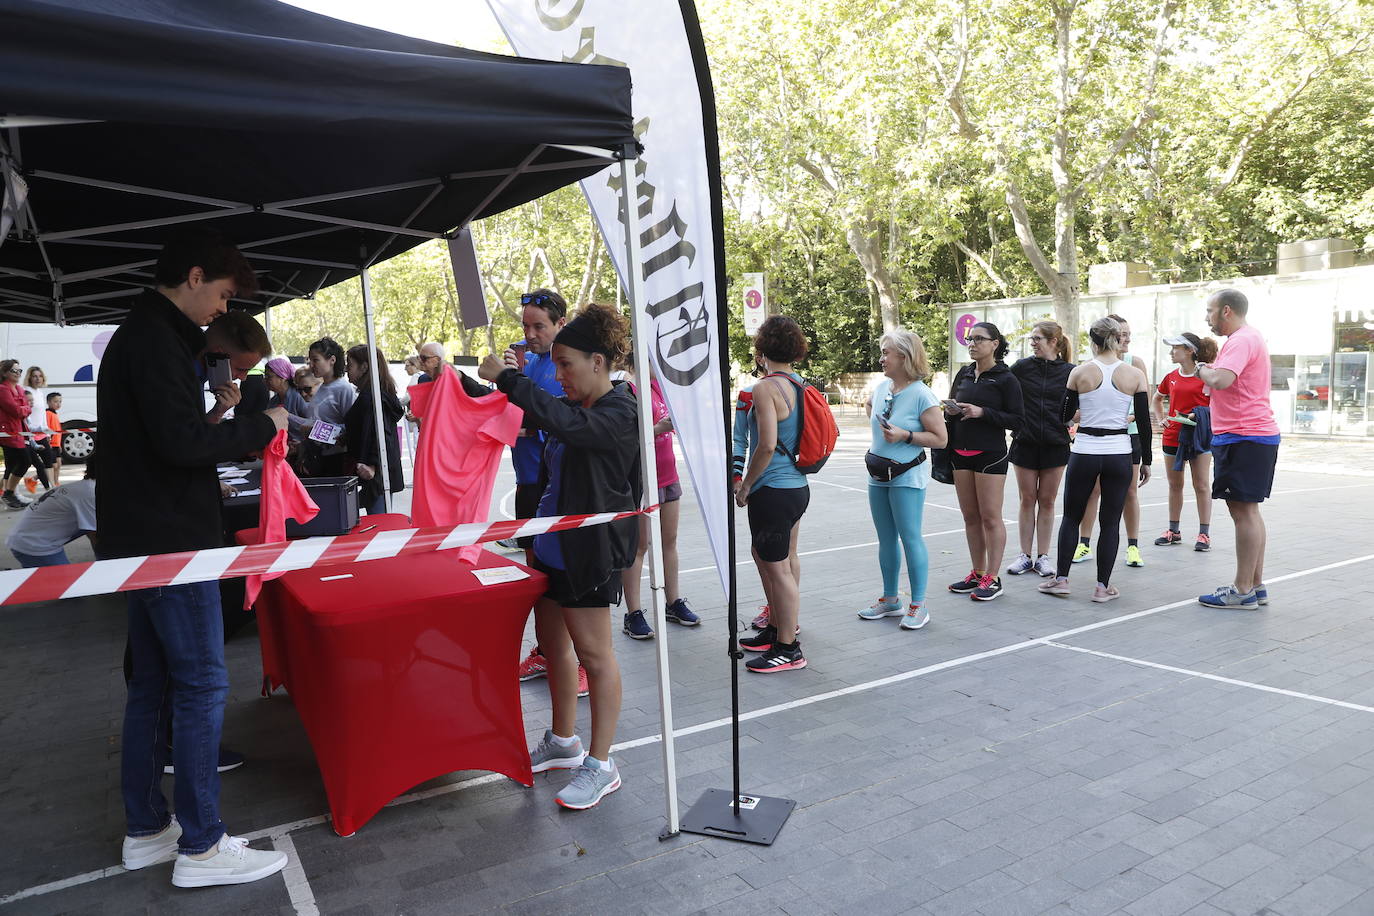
x: 760, y: 818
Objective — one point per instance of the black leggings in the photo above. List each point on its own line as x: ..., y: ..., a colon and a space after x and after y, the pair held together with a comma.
x: 17, y: 461
x: 1115, y: 473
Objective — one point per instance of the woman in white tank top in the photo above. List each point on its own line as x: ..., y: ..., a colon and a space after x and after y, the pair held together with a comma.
x: 1103, y: 392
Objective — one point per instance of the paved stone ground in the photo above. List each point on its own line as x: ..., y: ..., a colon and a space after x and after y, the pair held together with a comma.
x: 1024, y: 756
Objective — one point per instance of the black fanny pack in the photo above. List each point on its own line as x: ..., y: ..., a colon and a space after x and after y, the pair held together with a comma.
x: 1099, y: 431
x: 880, y: 468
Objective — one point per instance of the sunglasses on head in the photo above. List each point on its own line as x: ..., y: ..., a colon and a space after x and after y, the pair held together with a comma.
x: 533, y: 299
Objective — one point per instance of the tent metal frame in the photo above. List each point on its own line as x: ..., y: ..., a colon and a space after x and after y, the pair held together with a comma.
x: 135, y: 275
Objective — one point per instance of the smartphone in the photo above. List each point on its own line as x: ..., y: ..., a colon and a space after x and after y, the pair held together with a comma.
x: 883, y: 420
x: 520, y: 347
x: 218, y: 372
x: 950, y: 404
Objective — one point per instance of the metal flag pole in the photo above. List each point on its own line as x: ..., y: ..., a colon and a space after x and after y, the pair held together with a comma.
x: 375, y: 383
x: 634, y: 281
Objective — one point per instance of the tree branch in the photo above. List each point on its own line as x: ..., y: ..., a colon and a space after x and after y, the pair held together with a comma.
x: 985, y: 265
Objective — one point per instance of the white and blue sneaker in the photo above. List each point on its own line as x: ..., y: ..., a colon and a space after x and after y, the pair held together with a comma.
x: 636, y: 627
x: 1227, y: 596
x: 1044, y: 566
x: 550, y: 755
x: 1023, y: 564
x: 1261, y: 593
x: 589, y: 784
x: 680, y: 613
x: 916, y: 616
x: 880, y: 609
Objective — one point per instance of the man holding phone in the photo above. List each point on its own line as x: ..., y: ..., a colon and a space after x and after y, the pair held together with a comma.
x: 234, y: 345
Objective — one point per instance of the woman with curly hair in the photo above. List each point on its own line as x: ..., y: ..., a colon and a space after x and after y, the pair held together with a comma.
x: 776, y: 493
x: 329, y: 405
x: 590, y: 465
x: 1184, y: 391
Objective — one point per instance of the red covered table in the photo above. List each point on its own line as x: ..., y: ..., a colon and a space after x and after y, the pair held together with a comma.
x: 402, y: 670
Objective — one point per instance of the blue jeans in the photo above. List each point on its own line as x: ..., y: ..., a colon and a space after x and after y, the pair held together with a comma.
x: 28, y: 560
x: 176, y: 635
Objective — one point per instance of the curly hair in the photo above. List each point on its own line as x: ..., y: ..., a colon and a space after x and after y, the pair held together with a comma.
x: 997, y: 335
x: 327, y: 347
x: 608, y: 327
x: 780, y: 339
x: 1204, y: 348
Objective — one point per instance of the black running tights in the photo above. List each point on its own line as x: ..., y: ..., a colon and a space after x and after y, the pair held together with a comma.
x: 1084, y: 471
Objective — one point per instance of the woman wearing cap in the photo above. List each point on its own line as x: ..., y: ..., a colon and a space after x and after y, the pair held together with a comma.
x: 590, y: 465
x: 1185, y: 393
x: 1104, y: 392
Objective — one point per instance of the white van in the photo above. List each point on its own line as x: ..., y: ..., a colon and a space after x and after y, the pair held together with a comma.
x: 70, y: 359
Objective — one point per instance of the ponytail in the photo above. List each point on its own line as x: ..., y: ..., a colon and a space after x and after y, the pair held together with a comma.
x: 1207, y: 350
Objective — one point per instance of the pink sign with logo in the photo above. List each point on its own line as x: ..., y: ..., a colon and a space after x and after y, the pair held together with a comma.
x: 962, y: 325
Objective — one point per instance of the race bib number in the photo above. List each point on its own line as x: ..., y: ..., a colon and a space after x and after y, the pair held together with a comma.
x: 324, y: 432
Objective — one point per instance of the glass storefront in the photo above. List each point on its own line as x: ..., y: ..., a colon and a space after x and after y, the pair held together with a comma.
x: 1319, y: 327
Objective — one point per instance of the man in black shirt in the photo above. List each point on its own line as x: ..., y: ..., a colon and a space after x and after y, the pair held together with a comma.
x: 153, y: 428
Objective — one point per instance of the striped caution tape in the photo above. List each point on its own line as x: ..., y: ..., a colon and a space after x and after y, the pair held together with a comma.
x: 103, y: 577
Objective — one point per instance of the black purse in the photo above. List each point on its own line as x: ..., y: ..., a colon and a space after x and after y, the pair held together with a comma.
x: 880, y: 468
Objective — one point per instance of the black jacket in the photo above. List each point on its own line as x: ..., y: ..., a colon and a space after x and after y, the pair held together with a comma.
x: 360, y: 434
x: 157, y: 451
x: 600, y: 473
x: 1043, y: 382
x: 999, y: 394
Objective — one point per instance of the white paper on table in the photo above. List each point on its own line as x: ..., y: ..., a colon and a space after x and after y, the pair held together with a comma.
x: 500, y: 574
x: 245, y: 493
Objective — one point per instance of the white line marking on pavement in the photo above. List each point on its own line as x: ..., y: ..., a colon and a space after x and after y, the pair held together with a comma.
x: 74, y: 881
x: 297, y: 885
x: 1213, y: 677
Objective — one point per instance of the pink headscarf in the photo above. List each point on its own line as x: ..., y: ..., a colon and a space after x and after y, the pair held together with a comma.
x: 281, y: 368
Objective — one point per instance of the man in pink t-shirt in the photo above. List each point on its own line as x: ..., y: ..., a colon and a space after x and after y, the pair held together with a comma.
x: 1245, y: 442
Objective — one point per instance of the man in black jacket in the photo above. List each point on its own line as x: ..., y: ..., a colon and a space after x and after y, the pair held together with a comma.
x: 153, y: 429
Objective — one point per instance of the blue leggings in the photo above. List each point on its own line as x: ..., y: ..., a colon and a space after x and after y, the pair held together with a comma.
x: 897, y: 514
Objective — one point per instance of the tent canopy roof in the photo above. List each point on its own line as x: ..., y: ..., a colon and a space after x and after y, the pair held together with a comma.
x: 317, y: 145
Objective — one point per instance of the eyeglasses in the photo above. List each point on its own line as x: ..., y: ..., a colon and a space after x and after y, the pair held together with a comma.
x: 974, y: 340
x: 1036, y: 338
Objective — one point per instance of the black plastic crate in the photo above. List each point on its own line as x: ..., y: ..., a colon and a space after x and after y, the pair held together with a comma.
x: 337, y: 498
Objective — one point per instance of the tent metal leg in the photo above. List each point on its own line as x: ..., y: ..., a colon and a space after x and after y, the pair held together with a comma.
x: 634, y: 281
x: 375, y: 380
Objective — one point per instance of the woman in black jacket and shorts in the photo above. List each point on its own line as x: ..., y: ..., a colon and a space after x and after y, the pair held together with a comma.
x: 1040, y: 448
x: 984, y: 402
x: 590, y: 465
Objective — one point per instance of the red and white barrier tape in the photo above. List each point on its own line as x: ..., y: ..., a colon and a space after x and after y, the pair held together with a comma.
x: 75, y: 580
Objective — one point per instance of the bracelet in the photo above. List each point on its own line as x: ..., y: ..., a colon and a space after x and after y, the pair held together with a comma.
x: 908, y: 437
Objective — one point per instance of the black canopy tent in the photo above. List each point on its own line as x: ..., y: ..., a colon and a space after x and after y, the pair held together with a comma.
x: 319, y: 146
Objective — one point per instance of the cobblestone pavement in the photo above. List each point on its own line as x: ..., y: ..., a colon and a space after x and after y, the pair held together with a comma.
x: 1026, y: 755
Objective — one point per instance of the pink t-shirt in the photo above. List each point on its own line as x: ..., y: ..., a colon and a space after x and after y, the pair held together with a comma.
x: 1243, y: 409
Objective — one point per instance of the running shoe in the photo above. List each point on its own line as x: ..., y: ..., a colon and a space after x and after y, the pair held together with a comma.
x: 1082, y: 553
x: 589, y: 784
x: 1044, y: 566
x: 1227, y: 596
x: 966, y: 584
x: 678, y: 612
x: 1169, y: 538
x: 989, y: 587
x: 1103, y: 595
x: 533, y: 666
x: 1204, y: 543
x: 1262, y: 593
x: 916, y: 617
x: 1023, y: 564
x: 880, y: 609
x: 636, y: 627
x: 1133, y: 557
x: 1056, y: 586
x: 761, y: 641
x: 778, y: 658
x: 550, y: 755
x: 14, y: 502
x: 583, y: 688
x: 761, y: 620
x: 508, y: 544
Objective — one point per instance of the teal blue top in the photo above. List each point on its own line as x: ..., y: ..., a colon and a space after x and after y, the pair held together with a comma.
x: 906, y: 406
x: 781, y: 473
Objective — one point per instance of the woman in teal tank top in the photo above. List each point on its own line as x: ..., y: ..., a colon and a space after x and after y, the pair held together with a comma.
x: 776, y: 494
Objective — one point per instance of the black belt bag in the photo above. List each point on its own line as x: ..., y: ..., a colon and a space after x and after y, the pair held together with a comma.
x: 1099, y: 431
x: 885, y: 469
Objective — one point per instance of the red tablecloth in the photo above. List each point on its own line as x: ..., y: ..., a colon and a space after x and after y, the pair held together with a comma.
x: 404, y: 671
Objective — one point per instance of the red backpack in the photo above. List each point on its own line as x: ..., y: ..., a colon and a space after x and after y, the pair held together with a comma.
x: 816, y: 427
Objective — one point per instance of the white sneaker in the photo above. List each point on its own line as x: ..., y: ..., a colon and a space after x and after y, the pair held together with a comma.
x: 142, y: 851
x: 1023, y: 564
x: 233, y: 863
x: 1045, y: 566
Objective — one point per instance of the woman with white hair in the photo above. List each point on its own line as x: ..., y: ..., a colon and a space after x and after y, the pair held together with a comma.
x: 907, y: 420
x: 1104, y: 392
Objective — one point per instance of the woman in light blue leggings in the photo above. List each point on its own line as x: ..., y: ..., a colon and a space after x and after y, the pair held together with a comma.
x: 906, y: 419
